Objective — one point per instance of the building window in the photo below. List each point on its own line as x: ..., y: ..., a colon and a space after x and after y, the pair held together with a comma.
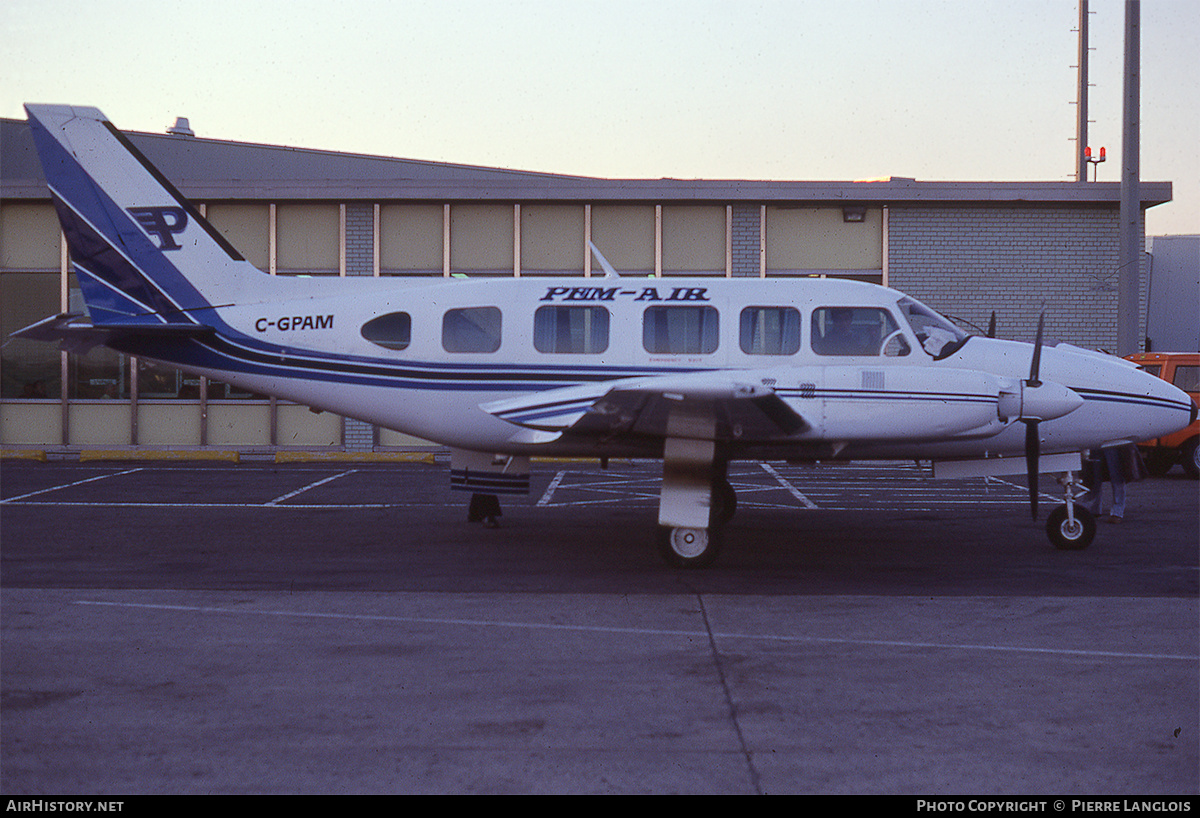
x: 578, y: 330
x: 680, y: 330
x: 100, y: 374
x: 411, y: 239
x: 28, y: 369
x: 471, y: 329
x: 770, y: 331
x: 308, y: 239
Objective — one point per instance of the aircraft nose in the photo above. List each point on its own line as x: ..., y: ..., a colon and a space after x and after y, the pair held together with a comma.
x: 1172, y: 399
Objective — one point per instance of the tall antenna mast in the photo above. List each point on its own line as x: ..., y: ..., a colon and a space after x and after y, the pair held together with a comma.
x: 1133, y: 238
x: 1081, y: 96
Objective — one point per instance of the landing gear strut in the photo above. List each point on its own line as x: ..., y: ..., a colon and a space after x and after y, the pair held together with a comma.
x: 696, y: 499
x: 1071, y: 527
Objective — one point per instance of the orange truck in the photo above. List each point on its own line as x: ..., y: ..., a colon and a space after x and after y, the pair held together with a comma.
x: 1183, y: 370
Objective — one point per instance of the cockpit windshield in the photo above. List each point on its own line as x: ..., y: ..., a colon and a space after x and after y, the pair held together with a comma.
x: 937, y: 335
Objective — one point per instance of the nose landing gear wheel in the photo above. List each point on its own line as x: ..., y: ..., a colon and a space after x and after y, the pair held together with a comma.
x: 688, y: 547
x: 1068, y: 536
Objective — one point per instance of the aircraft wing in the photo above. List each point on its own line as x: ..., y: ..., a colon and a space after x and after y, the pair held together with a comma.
x: 728, y: 408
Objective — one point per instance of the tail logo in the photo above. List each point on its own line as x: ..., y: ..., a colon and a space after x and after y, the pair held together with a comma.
x: 164, y: 222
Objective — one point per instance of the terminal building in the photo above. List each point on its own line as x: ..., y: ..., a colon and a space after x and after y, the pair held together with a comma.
x: 968, y: 249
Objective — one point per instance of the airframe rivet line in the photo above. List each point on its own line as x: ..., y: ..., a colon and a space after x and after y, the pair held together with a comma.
x: 69, y: 485
x: 795, y: 492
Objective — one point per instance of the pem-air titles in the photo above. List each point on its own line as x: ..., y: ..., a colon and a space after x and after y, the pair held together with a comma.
x: 613, y: 293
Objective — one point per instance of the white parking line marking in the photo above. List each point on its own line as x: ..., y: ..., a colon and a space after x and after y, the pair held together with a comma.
x: 865, y: 487
x: 795, y: 492
x: 68, y: 485
x: 299, y: 491
x: 690, y: 634
x: 550, y: 489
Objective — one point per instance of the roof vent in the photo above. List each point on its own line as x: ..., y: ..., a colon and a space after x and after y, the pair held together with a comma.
x: 181, y: 127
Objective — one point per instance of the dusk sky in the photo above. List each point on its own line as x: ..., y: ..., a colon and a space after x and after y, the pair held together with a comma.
x: 939, y: 90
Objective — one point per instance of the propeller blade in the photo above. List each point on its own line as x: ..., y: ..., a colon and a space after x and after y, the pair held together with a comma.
x: 1036, y: 364
x: 1033, y: 447
x: 992, y: 326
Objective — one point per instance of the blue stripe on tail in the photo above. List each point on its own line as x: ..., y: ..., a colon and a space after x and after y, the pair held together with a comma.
x: 123, y: 273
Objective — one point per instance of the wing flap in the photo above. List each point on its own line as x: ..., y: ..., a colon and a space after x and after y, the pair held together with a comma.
x: 739, y: 411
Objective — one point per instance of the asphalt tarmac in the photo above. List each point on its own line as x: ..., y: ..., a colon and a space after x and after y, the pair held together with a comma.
x: 342, y: 628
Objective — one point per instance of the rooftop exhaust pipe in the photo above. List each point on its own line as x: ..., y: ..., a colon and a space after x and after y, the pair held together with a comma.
x: 181, y: 127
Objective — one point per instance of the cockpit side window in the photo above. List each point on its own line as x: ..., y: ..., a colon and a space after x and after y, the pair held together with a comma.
x: 870, y: 331
x: 390, y: 331
x: 937, y: 335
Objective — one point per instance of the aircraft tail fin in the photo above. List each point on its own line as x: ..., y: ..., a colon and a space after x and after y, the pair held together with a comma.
x: 142, y: 254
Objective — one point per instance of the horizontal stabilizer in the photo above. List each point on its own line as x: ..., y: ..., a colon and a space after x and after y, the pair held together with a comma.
x: 74, y: 332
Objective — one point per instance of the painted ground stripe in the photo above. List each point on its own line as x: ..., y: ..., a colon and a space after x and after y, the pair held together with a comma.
x: 21, y: 497
x: 673, y: 632
x: 795, y: 492
x: 549, y: 493
x: 310, y: 486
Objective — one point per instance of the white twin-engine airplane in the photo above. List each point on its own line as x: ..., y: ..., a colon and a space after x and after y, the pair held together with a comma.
x: 698, y: 372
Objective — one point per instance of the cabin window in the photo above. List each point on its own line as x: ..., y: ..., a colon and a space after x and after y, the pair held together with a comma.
x: 770, y: 331
x: 577, y: 330
x: 680, y: 330
x: 471, y: 329
x: 391, y: 331
x: 857, y: 331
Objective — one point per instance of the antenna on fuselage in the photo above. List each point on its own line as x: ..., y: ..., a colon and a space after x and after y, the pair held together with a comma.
x: 609, y: 272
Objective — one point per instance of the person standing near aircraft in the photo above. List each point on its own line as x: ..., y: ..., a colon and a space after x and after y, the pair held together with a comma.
x: 1118, y: 465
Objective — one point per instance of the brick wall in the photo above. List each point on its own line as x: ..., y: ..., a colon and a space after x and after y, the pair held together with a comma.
x: 747, y: 221
x: 1019, y: 261
x: 358, y: 436
x: 360, y: 239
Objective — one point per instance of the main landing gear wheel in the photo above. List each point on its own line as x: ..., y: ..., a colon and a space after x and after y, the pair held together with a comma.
x: 1068, y: 536
x: 689, y: 547
x: 1191, y: 458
